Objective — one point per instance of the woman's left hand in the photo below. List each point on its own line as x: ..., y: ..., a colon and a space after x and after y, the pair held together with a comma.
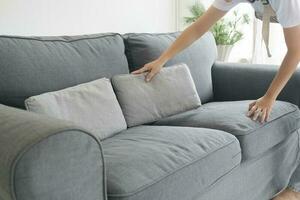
x: 260, y: 109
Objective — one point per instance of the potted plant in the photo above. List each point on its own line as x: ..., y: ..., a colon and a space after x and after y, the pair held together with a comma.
x: 227, y: 31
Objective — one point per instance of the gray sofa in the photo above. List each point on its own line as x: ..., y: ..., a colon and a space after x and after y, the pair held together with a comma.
x: 211, y: 153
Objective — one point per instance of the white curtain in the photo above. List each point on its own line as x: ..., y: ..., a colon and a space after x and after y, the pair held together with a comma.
x: 277, y: 44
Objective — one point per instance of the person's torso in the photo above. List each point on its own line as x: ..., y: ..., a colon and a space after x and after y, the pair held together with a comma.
x: 287, y: 11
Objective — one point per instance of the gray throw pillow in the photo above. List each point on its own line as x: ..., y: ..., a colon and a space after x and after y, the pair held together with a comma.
x: 170, y: 92
x: 92, y: 106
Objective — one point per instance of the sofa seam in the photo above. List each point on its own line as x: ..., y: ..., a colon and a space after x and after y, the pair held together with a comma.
x: 171, y: 173
x: 297, y: 160
x: 271, y: 122
x: 261, y: 153
x: 85, y: 37
x: 246, y: 133
x: 220, y: 178
x: 128, y: 53
x: 57, y: 132
x: 239, y: 153
x: 298, y: 146
x: 173, y: 34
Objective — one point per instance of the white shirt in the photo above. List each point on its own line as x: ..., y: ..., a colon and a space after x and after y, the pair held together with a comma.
x: 287, y: 11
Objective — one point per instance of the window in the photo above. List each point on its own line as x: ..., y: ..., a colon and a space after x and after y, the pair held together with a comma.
x: 251, y: 49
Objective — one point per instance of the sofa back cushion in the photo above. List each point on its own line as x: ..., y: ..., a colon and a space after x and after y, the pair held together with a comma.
x: 170, y: 92
x: 91, y: 105
x: 34, y: 65
x: 143, y: 48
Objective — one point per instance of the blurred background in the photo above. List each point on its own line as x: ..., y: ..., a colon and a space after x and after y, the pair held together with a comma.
x: 76, y: 17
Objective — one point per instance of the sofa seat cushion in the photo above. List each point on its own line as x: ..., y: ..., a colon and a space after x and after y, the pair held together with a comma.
x: 255, y: 138
x: 155, y: 162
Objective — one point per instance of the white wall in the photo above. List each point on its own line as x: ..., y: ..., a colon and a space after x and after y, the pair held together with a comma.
x: 73, y: 17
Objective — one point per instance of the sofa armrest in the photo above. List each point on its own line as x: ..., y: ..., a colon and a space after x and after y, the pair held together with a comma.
x: 235, y: 81
x: 44, y: 159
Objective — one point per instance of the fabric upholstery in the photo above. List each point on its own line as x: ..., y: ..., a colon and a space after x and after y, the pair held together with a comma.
x: 34, y: 65
x: 91, y: 105
x: 143, y: 48
x: 236, y: 81
x: 170, y: 92
x: 20, y: 131
x: 142, y: 155
x: 254, y: 137
x: 258, y: 179
x: 64, y: 166
x: 294, y: 181
x: 148, y: 162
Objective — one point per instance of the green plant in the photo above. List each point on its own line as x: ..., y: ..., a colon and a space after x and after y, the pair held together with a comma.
x: 227, y: 30
x: 197, y: 10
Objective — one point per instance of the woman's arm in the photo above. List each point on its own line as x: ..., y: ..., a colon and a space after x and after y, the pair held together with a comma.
x: 262, y: 107
x: 188, y: 36
x: 289, y: 63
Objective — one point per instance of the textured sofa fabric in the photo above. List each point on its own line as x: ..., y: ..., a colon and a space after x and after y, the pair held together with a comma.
x: 43, y: 158
x: 167, y: 163
x: 254, y: 137
x: 143, y: 48
x: 171, y: 92
x: 35, y: 65
x: 258, y: 179
x: 65, y: 166
x: 91, y: 105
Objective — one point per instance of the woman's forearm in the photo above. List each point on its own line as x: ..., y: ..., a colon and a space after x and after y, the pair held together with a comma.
x: 192, y: 33
x: 261, y: 108
x: 289, y: 63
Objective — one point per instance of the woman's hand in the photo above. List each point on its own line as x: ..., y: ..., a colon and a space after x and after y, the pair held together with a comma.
x: 151, y: 69
x: 260, y: 109
x: 186, y: 38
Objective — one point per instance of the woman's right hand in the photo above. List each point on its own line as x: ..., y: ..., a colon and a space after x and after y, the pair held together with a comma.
x: 188, y: 36
x: 151, y: 69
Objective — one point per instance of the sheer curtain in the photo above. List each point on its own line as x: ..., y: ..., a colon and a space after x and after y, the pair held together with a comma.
x: 251, y: 48
x: 277, y: 44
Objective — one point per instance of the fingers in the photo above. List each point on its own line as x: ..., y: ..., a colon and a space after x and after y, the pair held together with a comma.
x: 260, y: 109
x: 251, y: 105
x: 267, y: 115
x: 150, y: 75
x: 252, y: 110
x: 151, y: 72
x: 256, y: 114
x: 141, y: 70
x: 263, y: 116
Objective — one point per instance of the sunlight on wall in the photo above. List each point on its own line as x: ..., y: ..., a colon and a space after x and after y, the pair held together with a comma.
x: 69, y: 17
